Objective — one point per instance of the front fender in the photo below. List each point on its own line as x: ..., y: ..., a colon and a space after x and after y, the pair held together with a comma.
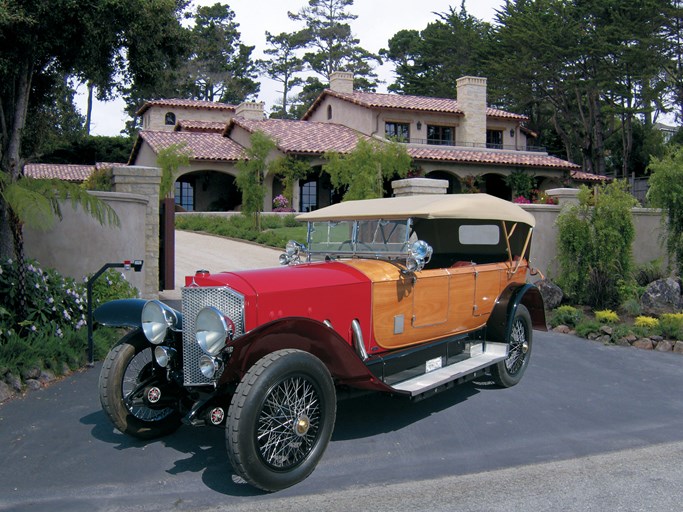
x: 308, y: 335
x: 500, y: 321
x: 124, y: 313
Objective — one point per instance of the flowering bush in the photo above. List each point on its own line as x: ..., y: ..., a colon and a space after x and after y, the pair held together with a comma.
x: 646, y: 322
x: 53, y: 301
x: 281, y: 204
x: 521, y: 200
x: 606, y: 316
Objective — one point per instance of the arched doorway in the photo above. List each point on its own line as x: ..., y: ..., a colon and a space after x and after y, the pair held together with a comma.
x: 494, y: 184
x: 207, y: 191
x: 454, y: 186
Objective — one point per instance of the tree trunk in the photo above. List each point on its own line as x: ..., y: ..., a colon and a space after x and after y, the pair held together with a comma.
x: 11, y: 157
x: 88, y: 114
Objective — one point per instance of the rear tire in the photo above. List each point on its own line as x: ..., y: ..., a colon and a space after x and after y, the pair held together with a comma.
x: 281, y: 419
x: 509, y: 372
x: 127, y: 364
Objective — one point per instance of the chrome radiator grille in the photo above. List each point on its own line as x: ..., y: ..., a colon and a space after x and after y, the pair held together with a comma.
x: 228, y: 302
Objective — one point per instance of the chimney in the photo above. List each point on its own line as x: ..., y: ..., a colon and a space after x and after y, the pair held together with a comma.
x: 250, y: 110
x: 342, y: 81
x: 472, y: 101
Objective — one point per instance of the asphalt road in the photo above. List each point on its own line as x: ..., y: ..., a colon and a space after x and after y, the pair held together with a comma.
x: 590, y: 427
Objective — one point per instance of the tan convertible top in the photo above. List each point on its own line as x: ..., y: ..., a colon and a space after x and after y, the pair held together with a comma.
x: 450, y: 206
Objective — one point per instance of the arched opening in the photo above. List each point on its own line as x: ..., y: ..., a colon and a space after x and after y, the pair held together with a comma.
x: 170, y: 119
x: 494, y: 184
x: 454, y: 186
x: 329, y: 112
x: 207, y: 191
x: 315, y: 191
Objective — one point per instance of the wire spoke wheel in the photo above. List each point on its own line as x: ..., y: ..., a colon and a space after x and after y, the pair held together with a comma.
x: 289, y: 423
x: 518, y: 348
x: 509, y: 372
x: 138, y: 373
x: 281, y: 419
x: 128, y: 374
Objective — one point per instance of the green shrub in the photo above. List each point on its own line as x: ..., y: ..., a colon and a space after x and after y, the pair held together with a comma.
x: 566, y: 315
x: 631, y: 307
x: 594, y: 245
x: 277, y: 229
x: 606, y: 316
x: 290, y: 222
x: 671, y: 325
x: 585, y: 327
x: 648, y: 272
x: 112, y: 285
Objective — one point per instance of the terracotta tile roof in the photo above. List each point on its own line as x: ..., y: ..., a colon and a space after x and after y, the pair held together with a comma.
x: 188, y: 125
x: 406, y: 102
x: 468, y: 156
x: 176, y: 102
x: 202, y: 146
x: 302, y: 136
x: 588, y: 176
x: 66, y: 172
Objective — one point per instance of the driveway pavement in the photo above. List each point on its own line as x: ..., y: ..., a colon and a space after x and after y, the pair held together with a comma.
x: 216, y: 254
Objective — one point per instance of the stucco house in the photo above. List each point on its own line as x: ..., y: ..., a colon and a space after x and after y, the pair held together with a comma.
x: 458, y: 140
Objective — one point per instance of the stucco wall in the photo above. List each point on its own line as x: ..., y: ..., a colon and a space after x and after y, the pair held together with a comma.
x: 155, y: 117
x: 647, y: 245
x: 79, y: 245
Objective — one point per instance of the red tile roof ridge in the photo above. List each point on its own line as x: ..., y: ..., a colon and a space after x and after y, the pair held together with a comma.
x: 184, y: 103
x: 406, y: 102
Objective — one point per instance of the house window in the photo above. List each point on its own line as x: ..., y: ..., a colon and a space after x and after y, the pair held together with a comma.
x: 329, y: 112
x: 440, y: 135
x: 397, y: 131
x: 494, y: 139
x: 184, y: 195
x: 170, y: 118
x: 309, y: 196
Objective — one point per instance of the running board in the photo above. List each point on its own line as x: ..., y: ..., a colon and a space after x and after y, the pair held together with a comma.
x: 478, y: 360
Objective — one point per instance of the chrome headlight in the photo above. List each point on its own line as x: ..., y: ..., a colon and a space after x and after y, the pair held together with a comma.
x: 213, y: 330
x: 163, y: 355
x: 209, y: 366
x: 419, y: 254
x: 292, y: 253
x: 157, y: 319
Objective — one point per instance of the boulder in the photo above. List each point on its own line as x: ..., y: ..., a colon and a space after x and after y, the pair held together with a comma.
x: 606, y: 329
x: 14, y: 382
x: 551, y: 293
x: 623, y: 342
x: 662, y: 296
x: 31, y: 373
x: 678, y: 347
x: 5, y: 391
x: 33, y: 384
x: 664, y: 346
x: 644, y: 343
x: 564, y: 329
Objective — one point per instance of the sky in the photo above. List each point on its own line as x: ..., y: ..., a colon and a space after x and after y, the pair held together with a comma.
x: 377, y: 22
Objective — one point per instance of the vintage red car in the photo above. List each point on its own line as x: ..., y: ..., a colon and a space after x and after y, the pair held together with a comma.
x: 407, y: 296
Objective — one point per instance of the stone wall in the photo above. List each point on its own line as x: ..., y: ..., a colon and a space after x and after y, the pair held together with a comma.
x: 145, y: 181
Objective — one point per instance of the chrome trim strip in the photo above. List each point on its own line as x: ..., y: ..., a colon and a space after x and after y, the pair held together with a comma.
x: 358, y: 342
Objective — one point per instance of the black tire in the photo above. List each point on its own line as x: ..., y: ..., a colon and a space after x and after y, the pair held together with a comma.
x: 290, y: 395
x: 126, y: 365
x: 509, y: 372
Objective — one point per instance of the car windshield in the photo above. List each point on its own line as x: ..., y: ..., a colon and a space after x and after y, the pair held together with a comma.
x: 385, y: 238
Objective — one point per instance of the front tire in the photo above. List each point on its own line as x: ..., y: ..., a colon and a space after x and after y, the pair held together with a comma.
x: 509, y: 372
x: 281, y: 419
x: 126, y: 367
